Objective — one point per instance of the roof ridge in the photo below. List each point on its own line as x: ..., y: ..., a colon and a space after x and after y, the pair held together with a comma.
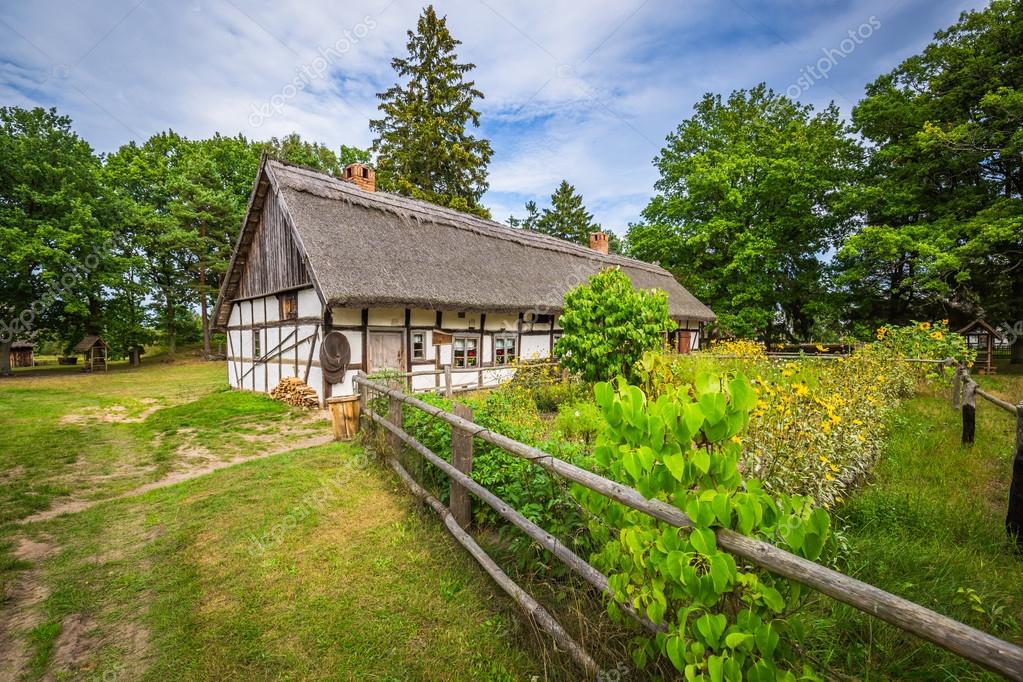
x: 395, y: 203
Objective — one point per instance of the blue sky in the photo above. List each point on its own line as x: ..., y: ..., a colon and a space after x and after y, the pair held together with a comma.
x: 574, y: 90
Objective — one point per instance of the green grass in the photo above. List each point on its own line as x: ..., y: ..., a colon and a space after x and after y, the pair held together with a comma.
x: 97, y: 435
x: 353, y: 587
x: 311, y: 564
x: 930, y: 523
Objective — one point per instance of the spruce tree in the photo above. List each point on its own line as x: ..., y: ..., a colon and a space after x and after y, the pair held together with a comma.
x: 567, y: 218
x: 422, y: 147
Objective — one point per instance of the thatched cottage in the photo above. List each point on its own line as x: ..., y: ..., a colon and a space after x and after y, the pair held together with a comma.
x: 330, y: 276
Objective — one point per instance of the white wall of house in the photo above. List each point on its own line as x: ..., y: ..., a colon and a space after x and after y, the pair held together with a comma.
x: 291, y: 348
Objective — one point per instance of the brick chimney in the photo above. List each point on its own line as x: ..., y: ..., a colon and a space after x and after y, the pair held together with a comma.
x: 362, y: 176
x: 598, y: 242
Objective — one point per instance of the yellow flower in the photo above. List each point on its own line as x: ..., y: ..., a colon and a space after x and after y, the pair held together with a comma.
x: 821, y: 348
x: 829, y: 477
x: 924, y: 326
x: 801, y: 389
x: 937, y: 336
x: 735, y: 439
x: 944, y: 323
x: 833, y: 468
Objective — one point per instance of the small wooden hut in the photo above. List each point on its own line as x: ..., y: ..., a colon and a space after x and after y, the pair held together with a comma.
x: 95, y: 350
x: 21, y: 354
x: 981, y: 337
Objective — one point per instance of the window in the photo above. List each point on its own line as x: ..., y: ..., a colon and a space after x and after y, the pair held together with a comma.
x: 465, y: 351
x: 257, y: 350
x: 289, y: 306
x: 418, y: 345
x: 504, y: 350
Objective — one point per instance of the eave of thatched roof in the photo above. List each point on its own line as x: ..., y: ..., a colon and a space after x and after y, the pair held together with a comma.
x: 375, y: 249
x: 87, y: 343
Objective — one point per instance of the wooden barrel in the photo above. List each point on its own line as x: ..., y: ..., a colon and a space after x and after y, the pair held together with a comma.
x: 344, y: 416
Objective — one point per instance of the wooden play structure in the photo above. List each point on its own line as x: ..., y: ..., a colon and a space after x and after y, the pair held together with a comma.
x: 95, y: 350
x: 981, y: 337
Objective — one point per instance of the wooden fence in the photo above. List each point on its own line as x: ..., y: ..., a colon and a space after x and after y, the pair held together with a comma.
x: 964, y: 398
x: 444, y: 378
x: 984, y: 649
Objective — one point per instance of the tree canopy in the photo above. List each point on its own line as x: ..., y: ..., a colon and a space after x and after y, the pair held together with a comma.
x: 751, y: 194
x: 941, y: 198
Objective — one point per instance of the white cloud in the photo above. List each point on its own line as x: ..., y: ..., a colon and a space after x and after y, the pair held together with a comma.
x: 584, y: 92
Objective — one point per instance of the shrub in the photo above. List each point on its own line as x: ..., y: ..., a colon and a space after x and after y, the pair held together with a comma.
x: 817, y: 426
x: 932, y: 340
x: 542, y: 385
x: 580, y: 421
x: 608, y: 325
x: 724, y: 621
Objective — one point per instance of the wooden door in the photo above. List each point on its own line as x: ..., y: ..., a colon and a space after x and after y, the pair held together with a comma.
x: 685, y: 340
x: 386, y: 351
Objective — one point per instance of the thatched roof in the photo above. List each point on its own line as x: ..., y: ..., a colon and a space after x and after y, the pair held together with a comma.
x: 375, y: 249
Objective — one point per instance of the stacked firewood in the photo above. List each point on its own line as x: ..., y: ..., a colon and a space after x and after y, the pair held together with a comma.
x: 294, y: 391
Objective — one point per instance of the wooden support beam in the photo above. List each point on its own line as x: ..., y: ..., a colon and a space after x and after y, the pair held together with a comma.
x: 448, y: 388
x: 395, y: 417
x: 969, y: 411
x: 461, y: 459
x: 1014, y: 516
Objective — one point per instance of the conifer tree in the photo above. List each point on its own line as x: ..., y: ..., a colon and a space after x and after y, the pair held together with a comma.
x: 422, y: 146
x: 567, y: 218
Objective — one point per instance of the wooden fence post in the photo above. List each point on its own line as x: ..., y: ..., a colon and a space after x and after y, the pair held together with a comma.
x: 461, y: 459
x: 957, y: 387
x: 1014, y: 517
x: 448, y: 392
x: 969, y: 411
x: 394, y: 416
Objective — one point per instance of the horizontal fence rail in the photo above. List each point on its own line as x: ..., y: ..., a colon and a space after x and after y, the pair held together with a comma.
x: 968, y: 642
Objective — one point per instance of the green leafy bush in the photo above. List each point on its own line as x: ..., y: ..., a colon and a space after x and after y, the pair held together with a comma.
x: 580, y: 421
x: 608, y: 325
x: 724, y: 620
x: 541, y: 384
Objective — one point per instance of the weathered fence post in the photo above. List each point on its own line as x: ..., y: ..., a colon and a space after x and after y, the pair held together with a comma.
x: 957, y: 387
x: 969, y: 410
x: 461, y: 459
x: 1014, y: 517
x: 448, y: 392
x: 394, y: 416
x: 363, y: 393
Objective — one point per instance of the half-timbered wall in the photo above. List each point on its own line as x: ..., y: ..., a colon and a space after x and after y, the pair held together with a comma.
x: 274, y: 262
x: 290, y: 348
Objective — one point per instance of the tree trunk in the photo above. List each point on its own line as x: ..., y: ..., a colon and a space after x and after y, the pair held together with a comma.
x: 172, y: 331
x: 5, y: 357
x: 202, y: 293
x: 1016, y: 356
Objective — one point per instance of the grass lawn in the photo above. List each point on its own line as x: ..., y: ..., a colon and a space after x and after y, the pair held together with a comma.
x: 309, y: 564
x: 930, y: 527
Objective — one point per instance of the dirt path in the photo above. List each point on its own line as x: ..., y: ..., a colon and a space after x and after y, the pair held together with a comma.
x: 77, y: 505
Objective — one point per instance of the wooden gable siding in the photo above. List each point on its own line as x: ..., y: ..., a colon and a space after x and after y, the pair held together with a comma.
x: 274, y: 262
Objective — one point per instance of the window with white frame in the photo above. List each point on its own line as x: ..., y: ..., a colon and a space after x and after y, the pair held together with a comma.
x: 418, y: 345
x: 504, y: 350
x: 257, y: 350
x: 464, y: 352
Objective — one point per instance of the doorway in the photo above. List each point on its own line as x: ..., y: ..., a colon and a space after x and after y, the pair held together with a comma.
x: 386, y: 351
